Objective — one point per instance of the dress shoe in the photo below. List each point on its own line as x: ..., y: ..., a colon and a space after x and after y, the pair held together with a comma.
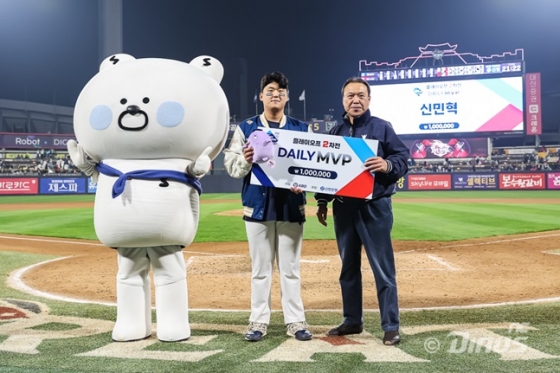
x: 345, y: 329
x: 391, y: 338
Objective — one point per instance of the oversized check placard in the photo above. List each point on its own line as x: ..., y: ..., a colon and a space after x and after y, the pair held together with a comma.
x: 318, y: 163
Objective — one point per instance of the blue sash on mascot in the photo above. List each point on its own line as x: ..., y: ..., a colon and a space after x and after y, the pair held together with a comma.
x: 119, y: 185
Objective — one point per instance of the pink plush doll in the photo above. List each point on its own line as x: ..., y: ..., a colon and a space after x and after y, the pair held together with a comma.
x: 263, y: 148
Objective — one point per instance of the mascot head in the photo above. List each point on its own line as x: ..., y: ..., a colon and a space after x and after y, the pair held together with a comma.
x: 152, y: 108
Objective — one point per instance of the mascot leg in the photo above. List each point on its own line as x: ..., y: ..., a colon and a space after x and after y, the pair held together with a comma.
x: 172, y: 306
x: 134, y: 314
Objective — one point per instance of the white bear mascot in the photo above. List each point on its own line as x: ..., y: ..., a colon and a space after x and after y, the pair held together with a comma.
x: 147, y: 130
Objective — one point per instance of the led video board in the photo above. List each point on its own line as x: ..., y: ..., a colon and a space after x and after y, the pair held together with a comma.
x: 467, y: 106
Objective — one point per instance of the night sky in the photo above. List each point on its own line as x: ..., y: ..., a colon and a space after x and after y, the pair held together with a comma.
x: 49, y: 48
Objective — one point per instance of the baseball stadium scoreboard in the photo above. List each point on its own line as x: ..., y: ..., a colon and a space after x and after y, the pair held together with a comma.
x: 445, y: 94
x: 442, y: 72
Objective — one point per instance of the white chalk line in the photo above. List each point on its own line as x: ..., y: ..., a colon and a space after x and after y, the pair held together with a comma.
x: 314, y: 261
x: 53, y: 240
x: 97, y: 244
x: 15, y: 281
x: 189, y: 261
x: 442, y: 262
x: 478, y: 243
x: 213, y: 254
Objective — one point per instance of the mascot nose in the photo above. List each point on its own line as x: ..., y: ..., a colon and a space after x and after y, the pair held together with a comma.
x: 133, y: 109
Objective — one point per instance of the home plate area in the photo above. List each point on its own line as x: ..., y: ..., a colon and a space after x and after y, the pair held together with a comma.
x: 475, y: 272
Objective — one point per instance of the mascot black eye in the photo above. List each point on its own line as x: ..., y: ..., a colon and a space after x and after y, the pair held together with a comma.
x: 146, y: 100
x: 123, y: 101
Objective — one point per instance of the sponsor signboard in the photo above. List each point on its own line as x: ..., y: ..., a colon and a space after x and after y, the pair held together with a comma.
x: 522, y: 181
x: 475, y: 181
x: 92, y: 187
x: 402, y: 183
x: 429, y: 181
x: 533, y: 103
x: 29, y: 141
x: 19, y: 185
x: 62, y: 185
x: 553, y: 180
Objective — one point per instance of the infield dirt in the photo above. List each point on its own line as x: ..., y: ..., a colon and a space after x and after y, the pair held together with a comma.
x: 429, y: 274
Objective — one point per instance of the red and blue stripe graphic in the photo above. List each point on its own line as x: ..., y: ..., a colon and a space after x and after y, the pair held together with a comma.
x: 362, y: 185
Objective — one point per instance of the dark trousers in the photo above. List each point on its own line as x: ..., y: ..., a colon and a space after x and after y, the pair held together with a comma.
x: 358, y: 223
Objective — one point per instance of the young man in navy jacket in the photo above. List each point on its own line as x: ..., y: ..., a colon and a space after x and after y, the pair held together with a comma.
x: 369, y: 222
x: 273, y: 217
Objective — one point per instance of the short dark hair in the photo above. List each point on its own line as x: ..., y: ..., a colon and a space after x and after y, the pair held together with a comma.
x: 275, y: 77
x: 355, y: 79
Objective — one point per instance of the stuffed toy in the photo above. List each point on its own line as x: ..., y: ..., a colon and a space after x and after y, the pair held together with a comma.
x: 147, y: 130
x: 263, y: 147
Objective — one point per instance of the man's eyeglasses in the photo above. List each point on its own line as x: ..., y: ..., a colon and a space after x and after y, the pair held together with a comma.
x: 281, y: 92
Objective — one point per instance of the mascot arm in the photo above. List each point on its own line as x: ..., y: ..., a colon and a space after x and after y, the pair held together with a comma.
x: 202, y: 164
x: 82, y: 160
x: 234, y: 161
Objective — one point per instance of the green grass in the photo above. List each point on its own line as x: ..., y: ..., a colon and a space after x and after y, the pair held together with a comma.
x: 418, y: 216
x: 456, y: 216
x: 232, y: 354
x: 479, y: 194
x: 46, y: 199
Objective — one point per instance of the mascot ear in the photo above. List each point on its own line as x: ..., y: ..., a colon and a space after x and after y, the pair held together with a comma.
x: 115, y: 59
x: 210, y: 66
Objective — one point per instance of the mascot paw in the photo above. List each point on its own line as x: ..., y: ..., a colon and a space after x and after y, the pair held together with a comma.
x: 82, y: 160
x: 202, y: 164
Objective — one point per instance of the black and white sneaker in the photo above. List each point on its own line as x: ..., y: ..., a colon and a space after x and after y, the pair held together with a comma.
x: 255, y: 331
x: 299, y: 330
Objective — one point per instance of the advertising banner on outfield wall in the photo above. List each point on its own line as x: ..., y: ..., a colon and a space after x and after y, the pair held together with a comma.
x: 522, y: 181
x: 92, y: 187
x: 553, y: 180
x: 533, y: 104
x: 475, y: 181
x: 429, y: 181
x: 19, y: 185
x: 402, y: 183
x: 24, y: 141
x: 62, y: 185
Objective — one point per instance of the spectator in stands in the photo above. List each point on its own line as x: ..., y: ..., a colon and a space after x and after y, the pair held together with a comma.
x: 59, y: 164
